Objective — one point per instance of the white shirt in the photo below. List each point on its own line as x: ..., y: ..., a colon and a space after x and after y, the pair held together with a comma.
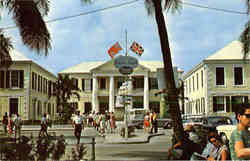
x: 78, y: 119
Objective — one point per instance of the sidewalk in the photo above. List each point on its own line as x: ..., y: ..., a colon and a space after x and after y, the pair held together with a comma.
x: 137, y: 137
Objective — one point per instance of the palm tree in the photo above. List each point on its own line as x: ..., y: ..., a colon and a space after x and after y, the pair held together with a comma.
x: 245, y: 36
x: 64, y: 89
x: 154, y: 7
x: 28, y: 16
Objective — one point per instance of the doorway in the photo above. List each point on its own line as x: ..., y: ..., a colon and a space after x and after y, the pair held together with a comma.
x: 87, y: 108
x: 13, y: 108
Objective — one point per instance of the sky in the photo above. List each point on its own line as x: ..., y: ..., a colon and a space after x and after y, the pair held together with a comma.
x: 194, y: 33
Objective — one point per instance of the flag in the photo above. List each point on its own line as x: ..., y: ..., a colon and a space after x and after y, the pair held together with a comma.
x: 136, y: 48
x: 114, y: 50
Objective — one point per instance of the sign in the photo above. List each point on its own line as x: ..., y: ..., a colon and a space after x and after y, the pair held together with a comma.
x: 125, y: 61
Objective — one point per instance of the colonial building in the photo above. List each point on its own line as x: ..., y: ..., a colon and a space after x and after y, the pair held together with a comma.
x: 25, y: 88
x: 220, y: 83
x: 100, y: 81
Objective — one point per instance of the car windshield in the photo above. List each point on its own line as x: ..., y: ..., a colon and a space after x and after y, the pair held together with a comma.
x: 219, y: 121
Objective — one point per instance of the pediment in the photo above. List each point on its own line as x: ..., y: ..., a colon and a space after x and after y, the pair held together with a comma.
x: 109, y: 67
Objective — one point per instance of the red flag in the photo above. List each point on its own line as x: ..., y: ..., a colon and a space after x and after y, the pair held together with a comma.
x: 136, y: 48
x: 114, y: 50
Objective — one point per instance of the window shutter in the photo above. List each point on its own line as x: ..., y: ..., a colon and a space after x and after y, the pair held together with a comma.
x: 91, y: 84
x: 1, y: 79
x: 8, y: 79
x: 21, y: 78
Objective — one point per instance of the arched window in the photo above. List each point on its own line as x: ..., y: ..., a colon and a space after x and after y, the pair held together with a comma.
x: 39, y: 108
x: 49, y: 108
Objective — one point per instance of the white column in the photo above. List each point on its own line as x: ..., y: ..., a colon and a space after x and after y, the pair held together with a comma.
x: 146, y: 93
x: 111, y: 94
x: 94, y: 96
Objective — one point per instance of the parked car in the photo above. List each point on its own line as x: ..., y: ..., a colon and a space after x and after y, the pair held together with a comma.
x: 211, y: 122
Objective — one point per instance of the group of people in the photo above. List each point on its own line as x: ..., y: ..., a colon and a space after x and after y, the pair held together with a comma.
x: 12, y: 123
x: 150, y: 122
x: 187, y: 148
x: 101, y: 122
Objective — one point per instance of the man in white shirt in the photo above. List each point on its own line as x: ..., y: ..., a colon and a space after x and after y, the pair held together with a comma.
x: 78, y: 125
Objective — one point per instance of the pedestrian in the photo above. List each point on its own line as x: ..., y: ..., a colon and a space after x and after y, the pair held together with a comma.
x: 112, y: 122
x: 48, y: 119
x: 18, y: 125
x: 151, y: 122
x: 102, y: 124
x: 78, y: 126
x: 240, y: 138
x: 44, y: 127
x: 10, y: 124
x: 146, y: 123
x: 154, y: 123
x: 5, y: 122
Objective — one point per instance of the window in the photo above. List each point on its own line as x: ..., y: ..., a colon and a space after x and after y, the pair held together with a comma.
x: 197, y: 79
x: 238, y: 76
x: 218, y: 103
x: 102, y: 83
x: 35, y: 81
x: 88, y: 84
x: 75, y: 82
x: 202, y: 79
x: 220, y: 76
x: 153, y: 84
x: 138, y: 82
x: 14, y: 78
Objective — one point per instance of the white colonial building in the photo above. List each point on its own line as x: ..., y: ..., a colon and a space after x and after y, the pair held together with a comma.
x: 220, y: 83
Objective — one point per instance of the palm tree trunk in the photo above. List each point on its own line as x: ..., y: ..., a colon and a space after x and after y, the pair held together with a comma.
x: 172, y: 98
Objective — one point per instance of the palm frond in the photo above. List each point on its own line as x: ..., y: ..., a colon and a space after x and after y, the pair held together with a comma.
x: 87, y: 1
x: 43, y: 6
x: 173, y: 5
x: 149, y: 7
x: 31, y: 25
x: 245, y: 39
x: 5, y: 47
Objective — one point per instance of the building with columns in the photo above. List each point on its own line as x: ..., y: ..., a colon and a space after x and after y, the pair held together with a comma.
x: 220, y: 83
x: 100, y: 82
x: 25, y: 88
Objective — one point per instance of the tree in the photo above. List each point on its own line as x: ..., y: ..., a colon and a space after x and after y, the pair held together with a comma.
x: 5, y: 47
x: 155, y: 7
x: 65, y: 88
x: 245, y: 36
x: 28, y: 16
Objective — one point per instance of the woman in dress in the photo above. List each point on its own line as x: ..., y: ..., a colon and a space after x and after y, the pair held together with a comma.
x: 112, y: 122
x: 10, y: 124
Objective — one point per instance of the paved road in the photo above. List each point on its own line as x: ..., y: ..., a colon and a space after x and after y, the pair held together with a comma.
x: 155, y: 150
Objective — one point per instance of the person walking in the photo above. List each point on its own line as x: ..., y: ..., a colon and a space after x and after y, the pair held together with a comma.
x: 154, y: 123
x: 240, y: 138
x: 10, y: 124
x: 48, y: 119
x: 5, y: 122
x: 146, y: 123
x: 18, y: 125
x: 44, y: 126
x: 112, y: 122
x: 78, y: 126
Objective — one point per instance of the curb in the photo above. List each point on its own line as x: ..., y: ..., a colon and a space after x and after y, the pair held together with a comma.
x: 143, y: 140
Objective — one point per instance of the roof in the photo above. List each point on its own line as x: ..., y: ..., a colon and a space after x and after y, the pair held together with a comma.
x: 232, y: 51
x: 86, y: 67
x: 17, y: 56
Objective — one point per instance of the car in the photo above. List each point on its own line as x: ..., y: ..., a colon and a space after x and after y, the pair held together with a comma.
x: 211, y: 122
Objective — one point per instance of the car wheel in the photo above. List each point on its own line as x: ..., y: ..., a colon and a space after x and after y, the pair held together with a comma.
x: 224, y: 138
